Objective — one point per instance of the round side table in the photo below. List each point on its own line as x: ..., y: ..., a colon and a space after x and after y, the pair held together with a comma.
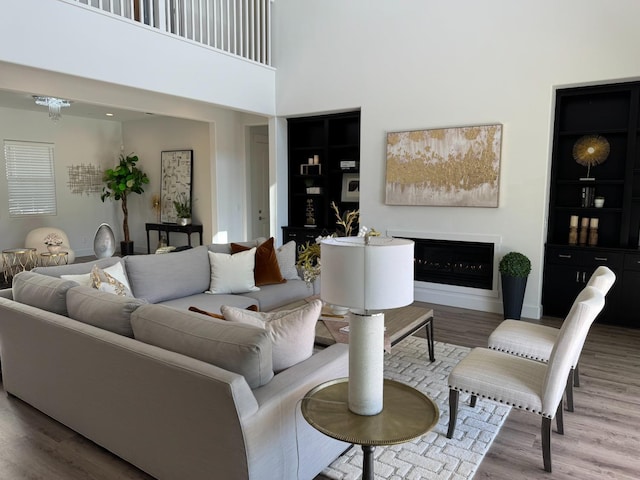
x: 48, y: 259
x: 407, y: 414
x: 16, y: 260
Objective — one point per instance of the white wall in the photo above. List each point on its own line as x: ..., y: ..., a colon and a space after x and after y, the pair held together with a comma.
x: 418, y: 64
x: 77, y: 141
x: 148, y: 138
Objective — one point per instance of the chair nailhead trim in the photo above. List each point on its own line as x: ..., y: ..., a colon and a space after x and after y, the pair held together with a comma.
x: 520, y: 407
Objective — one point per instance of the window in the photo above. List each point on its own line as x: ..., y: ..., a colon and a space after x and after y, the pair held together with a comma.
x: 30, y: 179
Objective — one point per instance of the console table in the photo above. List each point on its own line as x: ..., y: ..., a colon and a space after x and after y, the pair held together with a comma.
x: 172, y: 227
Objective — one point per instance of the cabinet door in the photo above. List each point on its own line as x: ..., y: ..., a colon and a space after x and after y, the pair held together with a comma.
x: 561, y: 287
x: 630, y: 314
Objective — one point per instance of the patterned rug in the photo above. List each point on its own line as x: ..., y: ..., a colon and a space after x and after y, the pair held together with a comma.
x: 432, y: 456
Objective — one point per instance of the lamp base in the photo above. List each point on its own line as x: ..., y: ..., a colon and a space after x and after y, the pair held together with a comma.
x: 366, y: 363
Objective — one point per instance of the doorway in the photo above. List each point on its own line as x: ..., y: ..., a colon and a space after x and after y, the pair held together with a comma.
x: 258, y: 194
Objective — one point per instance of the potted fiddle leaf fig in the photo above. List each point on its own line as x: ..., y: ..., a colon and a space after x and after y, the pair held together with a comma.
x: 514, y: 269
x: 120, y: 181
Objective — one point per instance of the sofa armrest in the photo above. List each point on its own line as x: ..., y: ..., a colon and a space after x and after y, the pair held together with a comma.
x: 278, y: 431
x: 6, y: 293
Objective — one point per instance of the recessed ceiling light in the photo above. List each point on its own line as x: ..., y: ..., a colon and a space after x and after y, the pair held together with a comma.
x: 109, y: 114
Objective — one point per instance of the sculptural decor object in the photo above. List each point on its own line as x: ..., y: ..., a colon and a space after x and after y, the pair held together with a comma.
x: 591, y: 150
x: 104, y: 242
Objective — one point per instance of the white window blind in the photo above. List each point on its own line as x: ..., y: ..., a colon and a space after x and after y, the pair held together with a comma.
x: 30, y: 178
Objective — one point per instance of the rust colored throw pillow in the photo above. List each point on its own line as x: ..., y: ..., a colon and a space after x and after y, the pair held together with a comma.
x: 252, y: 308
x: 266, y: 270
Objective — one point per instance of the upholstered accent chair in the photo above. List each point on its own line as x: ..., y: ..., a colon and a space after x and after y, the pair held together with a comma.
x: 35, y: 239
x: 535, y: 341
x: 526, y: 384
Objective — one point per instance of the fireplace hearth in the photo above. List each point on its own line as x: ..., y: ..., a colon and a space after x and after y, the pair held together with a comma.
x: 452, y: 262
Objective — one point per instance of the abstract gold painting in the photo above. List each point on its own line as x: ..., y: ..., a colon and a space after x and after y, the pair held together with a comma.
x: 452, y: 167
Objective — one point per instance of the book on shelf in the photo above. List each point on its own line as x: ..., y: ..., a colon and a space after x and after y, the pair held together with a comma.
x: 588, y: 195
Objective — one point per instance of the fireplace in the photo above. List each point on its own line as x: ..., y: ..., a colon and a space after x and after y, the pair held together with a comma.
x: 453, y: 262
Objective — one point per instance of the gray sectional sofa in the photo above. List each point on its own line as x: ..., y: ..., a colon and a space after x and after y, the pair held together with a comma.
x: 205, y: 405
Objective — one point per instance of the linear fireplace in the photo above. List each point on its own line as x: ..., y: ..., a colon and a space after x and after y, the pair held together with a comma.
x: 453, y: 262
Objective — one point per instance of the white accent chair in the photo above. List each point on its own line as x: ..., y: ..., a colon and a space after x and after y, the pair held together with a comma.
x: 35, y: 239
x: 535, y: 342
x: 525, y: 384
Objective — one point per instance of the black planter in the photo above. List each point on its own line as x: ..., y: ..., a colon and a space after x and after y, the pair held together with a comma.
x: 126, y: 248
x: 513, y: 295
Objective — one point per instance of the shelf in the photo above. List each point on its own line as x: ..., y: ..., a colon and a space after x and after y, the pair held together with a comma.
x: 603, y: 131
x: 587, y: 183
x: 590, y: 209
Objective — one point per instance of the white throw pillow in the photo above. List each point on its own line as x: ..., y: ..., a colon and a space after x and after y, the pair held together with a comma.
x: 292, y: 332
x: 286, y: 256
x: 232, y: 273
x: 115, y: 270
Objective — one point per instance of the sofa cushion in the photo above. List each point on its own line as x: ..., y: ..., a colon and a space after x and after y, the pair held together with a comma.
x: 232, y: 273
x: 42, y: 291
x: 76, y: 268
x: 266, y: 270
x: 211, y: 303
x: 286, y: 256
x: 101, y: 309
x: 274, y: 296
x: 156, y: 278
x: 242, y: 349
x: 292, y: 332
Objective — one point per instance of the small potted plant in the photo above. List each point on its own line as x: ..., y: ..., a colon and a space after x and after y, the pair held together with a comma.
x: 183, y: 209
x: 514, y: 269
x: 53, y: 242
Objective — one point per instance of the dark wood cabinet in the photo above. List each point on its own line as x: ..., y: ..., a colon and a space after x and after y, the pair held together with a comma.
x: 610, y: 112
x: 324, y: 166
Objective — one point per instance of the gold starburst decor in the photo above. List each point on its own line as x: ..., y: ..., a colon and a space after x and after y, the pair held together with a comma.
x: 591, y: 150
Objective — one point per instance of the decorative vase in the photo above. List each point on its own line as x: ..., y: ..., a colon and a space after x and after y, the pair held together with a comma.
x: 54, y: 248
x: 183, y: 221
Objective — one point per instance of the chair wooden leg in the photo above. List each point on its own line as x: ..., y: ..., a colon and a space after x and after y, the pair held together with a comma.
x: 576, y: 376
x: 453, y: 411
x: 569, y: 391
x: 474, y: 398
x: 560, y: 419
x: 546, y: 443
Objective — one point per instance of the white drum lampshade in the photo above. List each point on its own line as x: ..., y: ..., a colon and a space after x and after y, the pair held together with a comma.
x: 366, y: 274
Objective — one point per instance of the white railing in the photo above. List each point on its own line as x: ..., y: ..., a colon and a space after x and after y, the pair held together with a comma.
x: 239, y: 27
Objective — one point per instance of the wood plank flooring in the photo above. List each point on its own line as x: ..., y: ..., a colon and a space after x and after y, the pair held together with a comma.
x: 602, y: 437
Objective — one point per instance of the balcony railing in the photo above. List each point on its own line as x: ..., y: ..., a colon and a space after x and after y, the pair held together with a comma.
x: 238, y: 27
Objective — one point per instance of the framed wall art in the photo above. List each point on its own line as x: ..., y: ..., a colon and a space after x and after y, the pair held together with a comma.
x: 177, y: 177
x: 350, y: 187
x: 453, y: 167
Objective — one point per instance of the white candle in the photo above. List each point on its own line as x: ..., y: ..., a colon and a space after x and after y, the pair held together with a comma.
x: 316, y: 159
x: 574, y: 221
x: 594, y: 223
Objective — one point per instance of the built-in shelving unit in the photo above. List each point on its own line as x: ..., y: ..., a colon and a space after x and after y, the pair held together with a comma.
x: 611, y: 111
x: 324, y: 160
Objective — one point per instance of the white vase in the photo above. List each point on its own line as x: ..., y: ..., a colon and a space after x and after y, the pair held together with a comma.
x: 54, y: 248
x: 184, y: 221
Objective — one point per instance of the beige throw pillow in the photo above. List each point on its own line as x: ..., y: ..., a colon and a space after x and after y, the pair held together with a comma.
x: 286, y: 256
x: 102, y: 281
x: 292, y: 332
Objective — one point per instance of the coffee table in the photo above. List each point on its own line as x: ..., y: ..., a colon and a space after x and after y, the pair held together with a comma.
x: 399, y: 323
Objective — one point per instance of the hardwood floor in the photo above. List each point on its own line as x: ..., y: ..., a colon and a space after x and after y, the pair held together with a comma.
x: 602, y: 437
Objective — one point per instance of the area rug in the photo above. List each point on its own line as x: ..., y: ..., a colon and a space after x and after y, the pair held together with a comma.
x: 432, y: 456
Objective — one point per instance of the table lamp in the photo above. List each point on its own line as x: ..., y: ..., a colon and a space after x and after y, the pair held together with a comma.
x: 366, y: 274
